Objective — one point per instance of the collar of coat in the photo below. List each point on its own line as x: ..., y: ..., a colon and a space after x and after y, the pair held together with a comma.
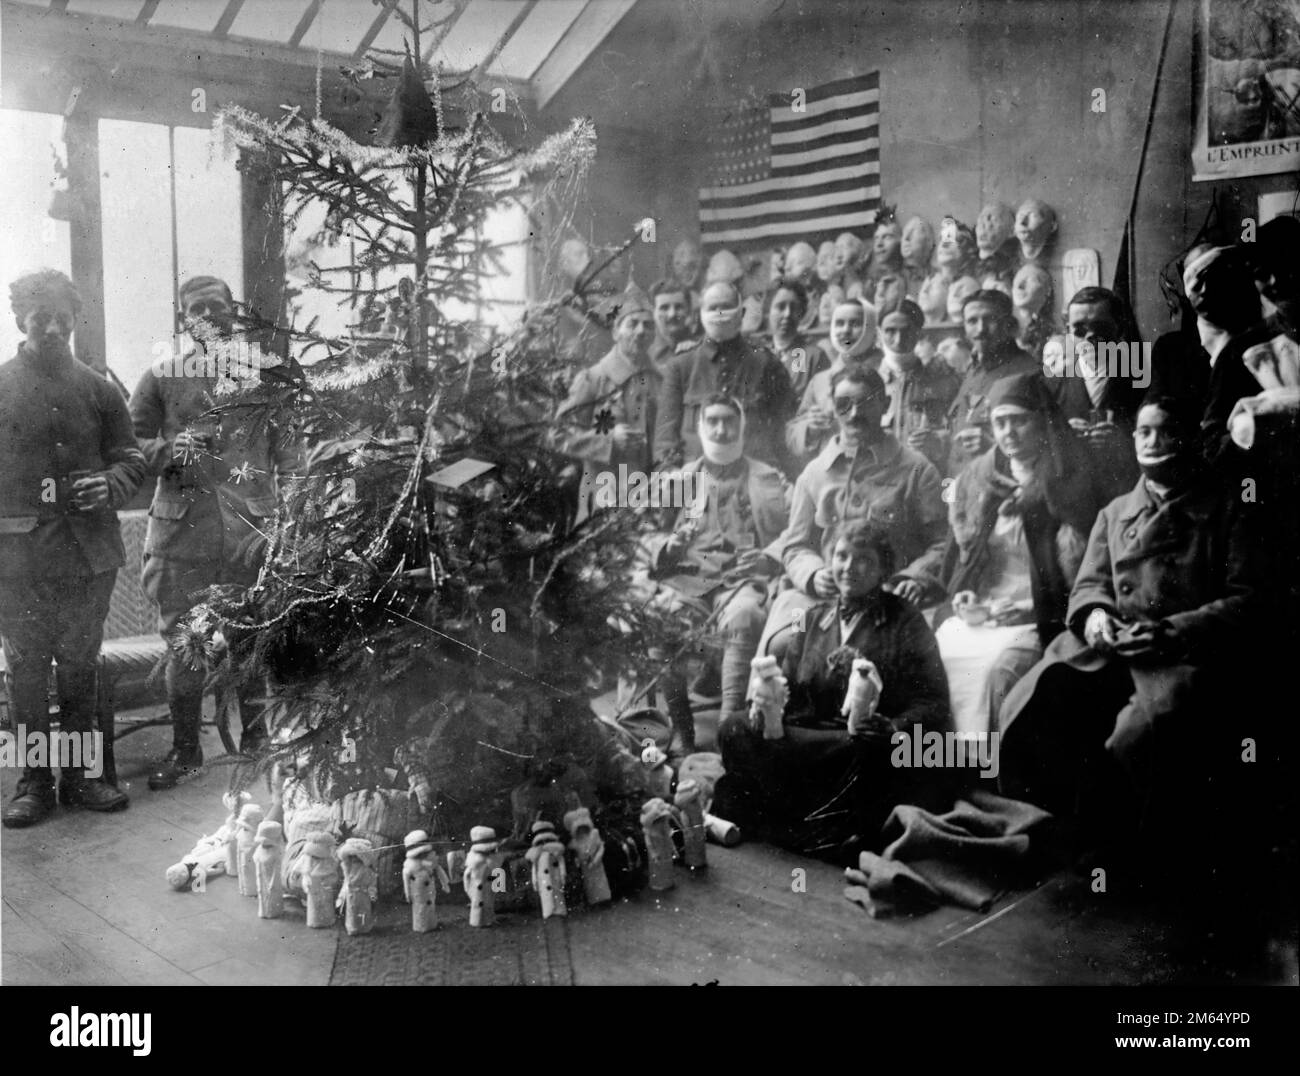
x: 619, y: 369
x: 1197, y: 498
x: 881, y: 454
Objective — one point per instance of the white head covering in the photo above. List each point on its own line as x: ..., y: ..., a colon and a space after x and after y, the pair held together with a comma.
x: 867, y: 340
x: 716, y: 452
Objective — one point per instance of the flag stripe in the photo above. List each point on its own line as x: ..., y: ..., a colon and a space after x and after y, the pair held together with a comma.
x: 778, y: 171
x: 805, y: 196
x: 787, y: 119
x: 795, y: 180
x: 827, y: 90
x: 800, y: 208
x: 797, y: 228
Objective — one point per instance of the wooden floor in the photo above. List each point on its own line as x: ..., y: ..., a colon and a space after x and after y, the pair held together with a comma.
x: 84, y: 902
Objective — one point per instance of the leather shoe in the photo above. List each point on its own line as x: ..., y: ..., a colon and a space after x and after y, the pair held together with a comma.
x: 31, y: 803
x: 178, y: 766
x: 92, y: 794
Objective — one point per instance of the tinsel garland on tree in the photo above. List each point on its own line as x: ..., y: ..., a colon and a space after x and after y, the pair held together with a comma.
x: 411, y: 627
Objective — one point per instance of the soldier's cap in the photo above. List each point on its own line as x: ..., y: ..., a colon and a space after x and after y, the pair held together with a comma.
x: 204, y: 283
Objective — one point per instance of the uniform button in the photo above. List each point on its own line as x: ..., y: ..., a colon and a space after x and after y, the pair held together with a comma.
x: 1131, y: 532
x: 1126, y: 588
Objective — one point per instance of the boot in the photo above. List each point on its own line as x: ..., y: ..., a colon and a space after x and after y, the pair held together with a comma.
x: 33, y: 800
x: 185, y: 760
x: 92, y: 793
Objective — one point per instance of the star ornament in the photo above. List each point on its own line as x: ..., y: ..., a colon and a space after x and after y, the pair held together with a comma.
x: 245, y: 472
x: 604, y: 420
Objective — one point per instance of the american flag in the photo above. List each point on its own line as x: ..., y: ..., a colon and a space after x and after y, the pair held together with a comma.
x: 781, y: 172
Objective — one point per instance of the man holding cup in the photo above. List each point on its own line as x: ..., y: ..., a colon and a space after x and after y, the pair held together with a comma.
x: 212, y: 510
x: 67, y: 461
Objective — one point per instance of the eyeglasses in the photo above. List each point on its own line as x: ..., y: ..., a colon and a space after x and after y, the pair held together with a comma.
x: 845, y: 404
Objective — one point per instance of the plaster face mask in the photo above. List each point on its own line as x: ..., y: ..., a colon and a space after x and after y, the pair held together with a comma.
x: 993, y: 227
x: 724, y: 266
x: 775, y: 266
x: 826, y: 261
x: 886, y: 243
x: 960, y: 291
x: 1035, y: 226
x: 686, y: 262
x: 917, y: 243
x: 848, y: 249
x: 890, y: 291
x: 955, y: 351
x: 956, y: 246
x: 720, y: 313
x: 1031, y: 289
x: 830, y: 300
x: 574, y: 258
x: 800, y: 262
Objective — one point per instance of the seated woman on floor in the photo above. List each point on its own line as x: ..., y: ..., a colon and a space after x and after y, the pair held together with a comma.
x: 1134, y: 720
x: 1020, y: 516
x: 816, y: 781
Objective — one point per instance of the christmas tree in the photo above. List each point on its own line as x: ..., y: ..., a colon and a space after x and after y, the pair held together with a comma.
x: 430, y: 606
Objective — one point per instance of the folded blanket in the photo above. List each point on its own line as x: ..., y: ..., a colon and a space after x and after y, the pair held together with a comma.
x: 965, y: 857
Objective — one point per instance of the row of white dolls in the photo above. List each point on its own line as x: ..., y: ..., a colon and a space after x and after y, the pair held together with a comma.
x: 330, y: 879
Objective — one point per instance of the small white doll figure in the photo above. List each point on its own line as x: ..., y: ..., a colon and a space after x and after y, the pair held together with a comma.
x: 768, y: 693
x: 250, y: 817
x: 422, y: 874
x: 319, y: 871
x: 689, y: 802
x: 589, y: 847
x: 207, y: 859
x: 656, y: 819
x: 863, y: 695
x: 268, y: 854
x: 233, y: 802
x: 549, y: 875
x: 659, y: 775
x: 477, y: 880
x: 360, y: 888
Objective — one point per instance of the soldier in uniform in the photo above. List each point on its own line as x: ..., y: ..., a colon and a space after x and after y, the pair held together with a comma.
x: 724, y: 362
x: 674, y: 319
x: 212, y: 509
x: 67, y: 461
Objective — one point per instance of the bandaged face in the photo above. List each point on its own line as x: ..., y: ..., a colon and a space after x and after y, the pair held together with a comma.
x: 886, y: 242
x: 917, y: 243
x: 1030, y: 289
x: 686, y: 262
x: 848, y: 249
x: 722, y: 433
x: 1035, y: 226
x: 956, y: 246
x: 848, y: 322
x: 721, y: 312
x: 826, y: 261
x: 1162, y: 454
x: 993, y: 227
x: 898, y: 333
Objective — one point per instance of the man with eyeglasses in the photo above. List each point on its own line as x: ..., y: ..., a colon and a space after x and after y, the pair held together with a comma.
x: 212, y: 511
x: 67, y: 462
x: 863, y: 473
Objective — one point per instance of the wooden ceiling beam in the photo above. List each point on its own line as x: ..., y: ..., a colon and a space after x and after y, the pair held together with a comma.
x: 147, y: 12
x: 368, y: 38
x: 227, y: 19
x: 304, y: 24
